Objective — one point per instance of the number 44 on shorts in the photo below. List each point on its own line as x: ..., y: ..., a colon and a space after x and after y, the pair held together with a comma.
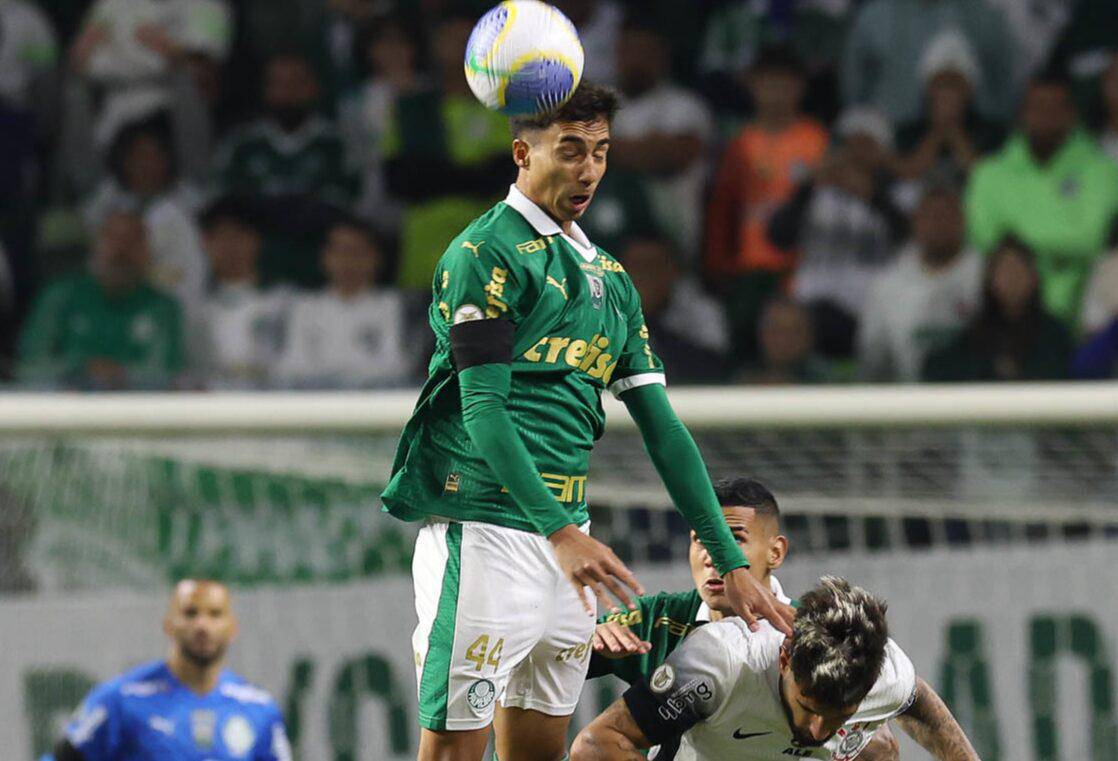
x: 476, y: 652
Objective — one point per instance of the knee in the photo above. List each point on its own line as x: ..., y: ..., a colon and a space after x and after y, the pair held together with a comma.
x: 585, y: 747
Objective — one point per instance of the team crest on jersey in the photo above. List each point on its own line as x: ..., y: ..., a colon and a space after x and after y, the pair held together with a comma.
x: 468, y: 313
x: 202, y: 727
x: 481, y: 695
x: 238, y: 736
x: 597, y: 290
x: 662, y: 679
x: 851, y: 742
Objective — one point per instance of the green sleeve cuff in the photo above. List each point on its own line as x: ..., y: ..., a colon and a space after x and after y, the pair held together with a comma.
x: 485, y: 392
x: 681, y: 467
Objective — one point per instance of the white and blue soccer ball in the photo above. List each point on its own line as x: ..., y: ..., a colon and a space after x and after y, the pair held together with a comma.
x: 523, y: 58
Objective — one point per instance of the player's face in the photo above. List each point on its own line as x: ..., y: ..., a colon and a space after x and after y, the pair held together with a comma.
x: 563, y: 166
x: 200, y: 621
x: 758, y: 539
x: 811, y: 722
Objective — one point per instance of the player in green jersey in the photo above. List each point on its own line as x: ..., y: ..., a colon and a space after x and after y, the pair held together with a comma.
x: 632, y: 644
x: 532, y: 323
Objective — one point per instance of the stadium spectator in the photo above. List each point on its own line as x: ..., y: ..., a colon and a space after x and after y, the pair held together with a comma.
x: 352, y: 334
x: 1051, y: 186
x: 1108, y: 86
x: 1100, y: 300
x: 291, y: 149
x: 757, y: 174
x: 845, y: 225
x: 888, y: 40
x: 786, y: 338
x: 688, y: 327
x: 450, y: 159
x: 1036, y: 26
x: 598, y: 23
x: 367, y: 116
x: 143, y: 177
x: 662, y: 131
x: 737, y: 33
x: 243, y: 328
x: 142, y: 55
x: 622, y: 209
x: 1084, y: 49
x: 106, y: 329
x: 1013, y: 337
x: 28, y: 55
x: 924, y: 297
x: 294, y: 160
x: 950, y: 134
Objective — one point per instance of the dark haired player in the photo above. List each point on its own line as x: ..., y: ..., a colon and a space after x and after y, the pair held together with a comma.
x: 632, y: 644
x: 532, y: 323
x: 761, y: 696
x: 186, y: 708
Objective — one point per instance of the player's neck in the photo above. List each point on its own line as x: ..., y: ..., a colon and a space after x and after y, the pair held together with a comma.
x: 522, y: 186
x: 198, y: 679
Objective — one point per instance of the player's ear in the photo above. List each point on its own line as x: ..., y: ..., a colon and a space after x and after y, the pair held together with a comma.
x: 520, y: 151
x: 778, y: 550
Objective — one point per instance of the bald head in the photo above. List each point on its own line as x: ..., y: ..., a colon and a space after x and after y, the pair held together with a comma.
x: 200, y: 621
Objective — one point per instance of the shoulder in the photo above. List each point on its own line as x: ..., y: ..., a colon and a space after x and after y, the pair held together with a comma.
x: 894, y: 689
x: 731, y: 640
x: 496, y: 237
x: 142, y: 681
x: 237, y: 689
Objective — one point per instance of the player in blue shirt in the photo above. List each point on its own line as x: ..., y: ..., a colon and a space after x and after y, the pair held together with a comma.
x: 186, y: 708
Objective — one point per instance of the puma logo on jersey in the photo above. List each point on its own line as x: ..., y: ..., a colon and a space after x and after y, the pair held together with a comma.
x: 561, y: 286
x: 472, y: 247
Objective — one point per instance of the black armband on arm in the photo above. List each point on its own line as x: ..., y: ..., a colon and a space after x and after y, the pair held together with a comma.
x: 481, y: 342
x: 64, y: 751
x: 663, y: 716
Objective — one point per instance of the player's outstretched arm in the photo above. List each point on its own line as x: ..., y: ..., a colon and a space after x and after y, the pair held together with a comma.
x: 483, y: 354
x: 929, y: 722
x: 680, y: 465
x: 613, y: 736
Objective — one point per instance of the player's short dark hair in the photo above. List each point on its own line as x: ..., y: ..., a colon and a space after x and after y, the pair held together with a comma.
x: 746, y: 492
x: 778, y: 58
x: 589, y: 103
x: 236, y: 209
x: 838, y: 643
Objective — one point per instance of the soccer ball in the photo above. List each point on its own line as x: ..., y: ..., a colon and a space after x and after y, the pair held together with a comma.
x: 523, y: 58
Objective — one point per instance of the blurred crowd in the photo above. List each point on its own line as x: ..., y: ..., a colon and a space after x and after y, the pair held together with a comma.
x: 253, y: 193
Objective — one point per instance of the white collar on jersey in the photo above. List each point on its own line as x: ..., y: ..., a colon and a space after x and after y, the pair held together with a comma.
x: 703, y: 614
x: 545, y: 225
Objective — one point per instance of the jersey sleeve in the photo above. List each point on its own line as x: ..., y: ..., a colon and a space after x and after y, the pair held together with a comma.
x: 638, y: 364
x: 895, y: 688
x: 475, y: 280
x: 689, y: 687
x: 95, y: 729
x: 273, y: 744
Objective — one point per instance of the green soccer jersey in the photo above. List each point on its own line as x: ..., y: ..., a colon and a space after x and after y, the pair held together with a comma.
x: 579, y: 330
x: 663, y: 620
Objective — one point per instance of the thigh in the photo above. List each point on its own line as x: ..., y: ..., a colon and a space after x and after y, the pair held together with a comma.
x: 550, y: 680
x: 480, y: 597
x: 524, y: 735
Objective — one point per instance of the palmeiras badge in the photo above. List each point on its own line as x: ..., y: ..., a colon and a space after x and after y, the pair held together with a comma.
x: 481, y: 694
x: 597, y: 290
x: 202, y: 727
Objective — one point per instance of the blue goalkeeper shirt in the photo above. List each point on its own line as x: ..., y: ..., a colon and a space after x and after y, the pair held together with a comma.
x: 148, y: 715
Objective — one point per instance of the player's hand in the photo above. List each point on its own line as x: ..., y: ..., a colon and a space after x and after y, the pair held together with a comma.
x: 751, y: 600
x: 586, y: 562
x: 613, y: 640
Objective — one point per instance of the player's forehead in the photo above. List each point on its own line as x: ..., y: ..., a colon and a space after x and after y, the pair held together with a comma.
x: 192, y: 593
x: 588, y: 133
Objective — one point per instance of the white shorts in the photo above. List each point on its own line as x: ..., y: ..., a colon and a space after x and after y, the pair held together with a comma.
x: 497, y: 620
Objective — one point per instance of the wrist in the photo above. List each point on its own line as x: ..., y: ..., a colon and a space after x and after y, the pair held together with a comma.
x: 563, y: 533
